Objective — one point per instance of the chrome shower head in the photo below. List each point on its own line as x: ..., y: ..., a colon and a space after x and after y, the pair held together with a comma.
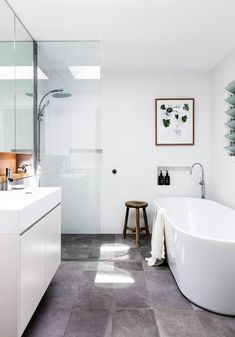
x: 30, y: 94
x: 61, y: 95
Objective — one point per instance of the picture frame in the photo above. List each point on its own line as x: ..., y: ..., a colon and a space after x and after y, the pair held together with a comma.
x: 174, y: 121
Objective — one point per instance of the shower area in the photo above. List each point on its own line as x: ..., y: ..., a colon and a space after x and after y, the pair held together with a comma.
x: 69, y: 153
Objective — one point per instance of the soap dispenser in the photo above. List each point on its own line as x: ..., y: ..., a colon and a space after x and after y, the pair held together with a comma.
x: 167, y: 178
x: 161, y: 179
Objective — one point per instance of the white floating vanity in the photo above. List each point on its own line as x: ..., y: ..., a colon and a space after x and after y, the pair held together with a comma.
x: 30, y: 253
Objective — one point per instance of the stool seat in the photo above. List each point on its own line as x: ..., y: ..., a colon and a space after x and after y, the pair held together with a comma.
x: 136, y: 204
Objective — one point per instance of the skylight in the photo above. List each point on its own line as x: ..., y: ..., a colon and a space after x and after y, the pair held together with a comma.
x: 20, y: 73
x: 85, y: 72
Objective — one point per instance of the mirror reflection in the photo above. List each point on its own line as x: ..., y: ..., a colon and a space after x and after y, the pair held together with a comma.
x: 16, y: 78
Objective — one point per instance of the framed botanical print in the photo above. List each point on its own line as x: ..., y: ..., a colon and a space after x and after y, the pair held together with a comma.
x: 174, y: 121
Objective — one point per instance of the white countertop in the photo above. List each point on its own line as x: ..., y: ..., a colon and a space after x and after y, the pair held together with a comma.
x: 19, y: 209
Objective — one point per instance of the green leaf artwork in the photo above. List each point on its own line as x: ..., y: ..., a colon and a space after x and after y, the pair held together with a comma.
x: 184, y: 119
x: 186, y: 107
x: 166, y: 122
x: 163, y: 107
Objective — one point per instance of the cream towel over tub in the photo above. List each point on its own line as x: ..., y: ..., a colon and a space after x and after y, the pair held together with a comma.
x: 157, y: 242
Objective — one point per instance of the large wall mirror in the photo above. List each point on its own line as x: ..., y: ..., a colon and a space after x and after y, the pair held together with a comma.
x: 16, y: 84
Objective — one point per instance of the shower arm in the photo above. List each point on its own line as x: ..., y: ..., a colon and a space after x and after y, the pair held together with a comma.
x: 44, y: 96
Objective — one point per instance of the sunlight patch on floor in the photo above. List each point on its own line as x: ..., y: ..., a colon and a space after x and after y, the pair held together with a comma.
x: 114, y: 277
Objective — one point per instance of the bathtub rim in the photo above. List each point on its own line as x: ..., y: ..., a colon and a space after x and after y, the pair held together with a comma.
x: 206, y: 238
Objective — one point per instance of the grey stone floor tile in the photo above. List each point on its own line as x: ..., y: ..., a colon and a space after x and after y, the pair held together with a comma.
x: 78, y: 240
x: 95, y: 290
x: 130, y: 240
x: 217, y: 325
x: 73, y: 253
x: 134, y: 323
x: 48, y: 322
x: 87, y: 322
x: 99, y: 266
x: 131, y: 291
x: 131, y: 254
x: 101, y: 254
x: 101, y: 239
x: 105, y: 276
x: 163, y: 291
x: 59, y: 296
x: 67, y: 273
x: 179, y: 323
x: 128, y: 265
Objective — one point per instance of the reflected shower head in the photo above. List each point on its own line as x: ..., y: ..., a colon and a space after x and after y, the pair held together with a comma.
x: 61, y: 94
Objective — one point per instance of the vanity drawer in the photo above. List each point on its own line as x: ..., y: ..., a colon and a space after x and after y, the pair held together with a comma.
x: 39, y: 259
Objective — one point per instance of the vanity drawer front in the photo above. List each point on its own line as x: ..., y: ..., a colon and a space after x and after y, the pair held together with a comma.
x: 32, y: 271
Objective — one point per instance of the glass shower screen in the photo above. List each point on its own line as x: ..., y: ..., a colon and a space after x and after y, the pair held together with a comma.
x: 69, y: 118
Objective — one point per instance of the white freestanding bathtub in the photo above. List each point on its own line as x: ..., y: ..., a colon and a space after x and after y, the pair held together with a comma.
x: 200, y: 245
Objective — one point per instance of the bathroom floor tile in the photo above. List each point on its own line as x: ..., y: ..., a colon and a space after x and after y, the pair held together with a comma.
x: 99, y: 266
x: 128, y: 265
x: 130, y: 240
x: 107, y: 290
x: 78, y: 240
x: 217, y: 325
x: 134, y: 323
x: 95, y: 290
x: 87, y: 322
x: 48, y: 320
x: 180, y: 323
x: 68, y: 273
x: 131, y: 254
x: 163, y: 291
x: 102, y: 239
x: 130, y: 290
x: 101, y: 254
x: 73, y: 253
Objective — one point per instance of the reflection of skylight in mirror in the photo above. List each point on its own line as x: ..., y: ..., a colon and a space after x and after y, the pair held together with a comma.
x: 20, y: 73
x: 114, y: 277
x: 85, y: 72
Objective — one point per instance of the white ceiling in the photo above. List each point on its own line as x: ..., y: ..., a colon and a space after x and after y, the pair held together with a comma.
x: 138, y: 34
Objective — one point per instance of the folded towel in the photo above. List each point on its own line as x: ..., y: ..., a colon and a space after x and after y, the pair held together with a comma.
x: 157, y: 242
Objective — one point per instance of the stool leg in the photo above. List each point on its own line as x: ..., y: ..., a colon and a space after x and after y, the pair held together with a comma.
x: 125, y: 223
x: 137, y: 227
x: 146, y: 221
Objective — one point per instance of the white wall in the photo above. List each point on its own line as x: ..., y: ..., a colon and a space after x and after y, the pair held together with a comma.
x: 128, y: 137
x: 222, y: 167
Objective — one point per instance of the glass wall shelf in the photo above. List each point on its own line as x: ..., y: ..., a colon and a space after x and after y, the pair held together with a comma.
x: 230, y: 149
x: 231, y: 87
x: 230, y: 100
x: 230, y: 112
x: 231, y: 124
x: 230, y: 136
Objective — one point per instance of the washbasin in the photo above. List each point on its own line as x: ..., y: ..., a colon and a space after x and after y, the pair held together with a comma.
x: 20, y: 208
x: 15, y: 195
x: 24, y: 194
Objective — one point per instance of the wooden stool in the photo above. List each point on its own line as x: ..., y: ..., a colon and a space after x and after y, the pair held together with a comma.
x: 137, y: 205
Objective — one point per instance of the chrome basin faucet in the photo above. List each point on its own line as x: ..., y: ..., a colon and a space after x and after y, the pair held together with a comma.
x: 9, y: 179
x: 202, y: 180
